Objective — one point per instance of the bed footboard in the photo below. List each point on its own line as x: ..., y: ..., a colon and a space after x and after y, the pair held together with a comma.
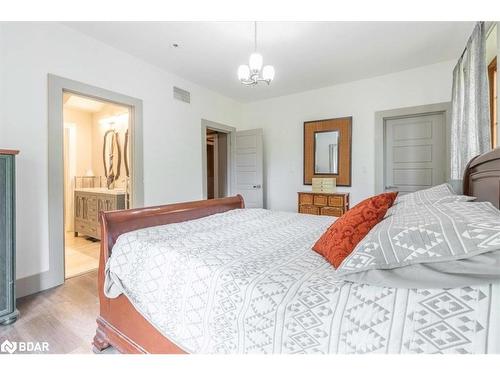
x: 119, y: 324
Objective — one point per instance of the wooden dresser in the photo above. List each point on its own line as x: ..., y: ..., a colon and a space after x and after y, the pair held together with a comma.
x: 89, y: 202
x: 334, y: 204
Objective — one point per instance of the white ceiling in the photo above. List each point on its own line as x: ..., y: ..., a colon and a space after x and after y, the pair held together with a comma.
x: 89, y: 105
x: 82, y: 103
x: 306, y: 55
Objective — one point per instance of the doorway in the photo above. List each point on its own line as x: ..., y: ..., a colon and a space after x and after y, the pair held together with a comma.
x: 217, y: 164
x: 412, y: 169
x: 57, y: 87
x: 216, y: 142
x: 414, y: 152
x: 96, y: 174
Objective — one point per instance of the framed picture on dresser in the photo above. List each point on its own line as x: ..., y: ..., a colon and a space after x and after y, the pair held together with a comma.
x: 327, y: 150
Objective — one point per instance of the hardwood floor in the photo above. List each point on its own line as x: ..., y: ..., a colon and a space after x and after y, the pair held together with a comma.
x: 63, y: 316
x: 81, y: 255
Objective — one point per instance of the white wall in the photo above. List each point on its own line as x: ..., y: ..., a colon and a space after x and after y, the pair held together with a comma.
x: 172, y: 152
x: 491, y: 44
x: 83, y: 139
x: 498, y: 82
x: 282, y: 120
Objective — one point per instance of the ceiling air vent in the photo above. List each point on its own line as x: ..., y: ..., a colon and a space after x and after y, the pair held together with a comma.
x: 182, y: 95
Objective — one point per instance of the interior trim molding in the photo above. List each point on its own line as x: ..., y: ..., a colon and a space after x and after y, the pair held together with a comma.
x: 382, y: 116
x: 56, y: 87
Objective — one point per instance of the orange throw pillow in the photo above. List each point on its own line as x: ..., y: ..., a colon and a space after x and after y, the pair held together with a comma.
x: 345, y: 233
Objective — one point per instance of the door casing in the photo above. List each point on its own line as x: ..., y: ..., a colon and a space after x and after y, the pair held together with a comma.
x: 438, y: 138
x: 57, y: 86
x: 382, y: 116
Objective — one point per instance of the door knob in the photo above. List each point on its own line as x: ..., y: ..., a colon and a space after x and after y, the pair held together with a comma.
x: 256, y: 186
x: 391, y: 187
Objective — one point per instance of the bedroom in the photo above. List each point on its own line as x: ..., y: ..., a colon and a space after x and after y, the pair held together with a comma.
x: 317, y: 111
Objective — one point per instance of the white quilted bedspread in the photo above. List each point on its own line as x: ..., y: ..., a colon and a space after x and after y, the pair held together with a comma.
x: 247, y: 281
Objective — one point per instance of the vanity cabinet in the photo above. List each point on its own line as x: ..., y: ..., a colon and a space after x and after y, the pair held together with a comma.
x: 330, y: 204
x: 88, y: 204
x: 8, y: 312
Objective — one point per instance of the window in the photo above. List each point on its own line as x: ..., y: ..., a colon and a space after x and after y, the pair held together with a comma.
x: 492, y: 78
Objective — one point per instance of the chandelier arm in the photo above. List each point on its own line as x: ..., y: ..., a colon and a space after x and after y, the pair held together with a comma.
x: 248, y: 82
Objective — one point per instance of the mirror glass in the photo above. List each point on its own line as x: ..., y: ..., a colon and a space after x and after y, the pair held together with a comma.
x: 326, y: 152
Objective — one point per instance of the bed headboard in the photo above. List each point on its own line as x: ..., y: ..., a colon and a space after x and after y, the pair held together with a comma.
x: 115, y: 223
x: 482, y: 177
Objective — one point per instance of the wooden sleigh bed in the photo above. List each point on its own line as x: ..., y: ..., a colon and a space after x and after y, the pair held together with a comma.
x: 120, y: 325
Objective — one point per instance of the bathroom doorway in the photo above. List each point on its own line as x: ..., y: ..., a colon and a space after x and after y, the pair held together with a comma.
x: 97, y: 173
x: 57, y: 87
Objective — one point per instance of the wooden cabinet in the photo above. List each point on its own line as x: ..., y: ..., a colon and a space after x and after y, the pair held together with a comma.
x: 8, y: 312
x: 335, y: 204
x: 88, y: 204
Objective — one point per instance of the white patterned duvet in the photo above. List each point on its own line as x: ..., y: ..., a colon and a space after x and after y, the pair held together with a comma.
x: 247, y: 281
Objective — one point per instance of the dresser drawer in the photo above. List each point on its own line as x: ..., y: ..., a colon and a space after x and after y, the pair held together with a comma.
x: 85, y: 228
x: 92, y: 215
x: 306, y: 199
x: 330, y: 204
x: 91, y: 203
x: 321, y: 200
x: 336, y: 201
x: 309, y: 209
x: 331, y: 211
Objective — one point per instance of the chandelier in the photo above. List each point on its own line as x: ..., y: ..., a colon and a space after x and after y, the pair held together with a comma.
x: 254, y: 73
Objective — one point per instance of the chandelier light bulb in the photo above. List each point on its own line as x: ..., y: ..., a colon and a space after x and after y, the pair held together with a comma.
x: 268, y: 73
x: 255, y: 62
x: 243, y: 72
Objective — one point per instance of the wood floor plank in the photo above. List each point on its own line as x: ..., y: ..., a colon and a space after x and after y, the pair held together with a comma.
x: 63, y: 316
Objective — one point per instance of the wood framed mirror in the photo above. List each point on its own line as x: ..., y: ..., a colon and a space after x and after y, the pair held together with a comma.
x: 327, y: 150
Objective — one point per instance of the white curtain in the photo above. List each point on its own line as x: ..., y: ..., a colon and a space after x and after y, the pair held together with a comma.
x: 470, y: 118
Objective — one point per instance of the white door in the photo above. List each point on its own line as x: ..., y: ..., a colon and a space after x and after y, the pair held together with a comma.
x: 248, y: 167
x: 415, y: 149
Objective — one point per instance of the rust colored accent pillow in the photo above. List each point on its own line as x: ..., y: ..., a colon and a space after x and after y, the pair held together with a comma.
x: 345, y: 233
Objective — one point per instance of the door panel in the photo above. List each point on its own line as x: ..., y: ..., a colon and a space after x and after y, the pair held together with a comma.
x: 248, y: 167
x: 414, y: 152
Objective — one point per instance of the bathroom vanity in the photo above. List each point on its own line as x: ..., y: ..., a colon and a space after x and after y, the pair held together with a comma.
x: 89, y: 202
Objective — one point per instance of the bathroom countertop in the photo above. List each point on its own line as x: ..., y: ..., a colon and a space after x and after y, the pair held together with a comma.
x: 101, y: 191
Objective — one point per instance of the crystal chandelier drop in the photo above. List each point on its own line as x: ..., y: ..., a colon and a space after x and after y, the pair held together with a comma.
x: 254, y: 73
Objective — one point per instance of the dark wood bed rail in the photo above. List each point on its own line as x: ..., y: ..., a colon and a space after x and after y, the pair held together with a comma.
x: 115, y: 223
x: 119, y: 324
x: 482, y: 177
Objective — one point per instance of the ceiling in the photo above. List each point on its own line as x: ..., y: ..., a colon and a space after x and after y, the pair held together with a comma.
x: 85, y: 104
x: 306, y: 55
x: 82, y: 103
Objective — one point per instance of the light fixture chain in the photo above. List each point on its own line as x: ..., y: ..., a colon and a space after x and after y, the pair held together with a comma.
x: 255, y: 36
